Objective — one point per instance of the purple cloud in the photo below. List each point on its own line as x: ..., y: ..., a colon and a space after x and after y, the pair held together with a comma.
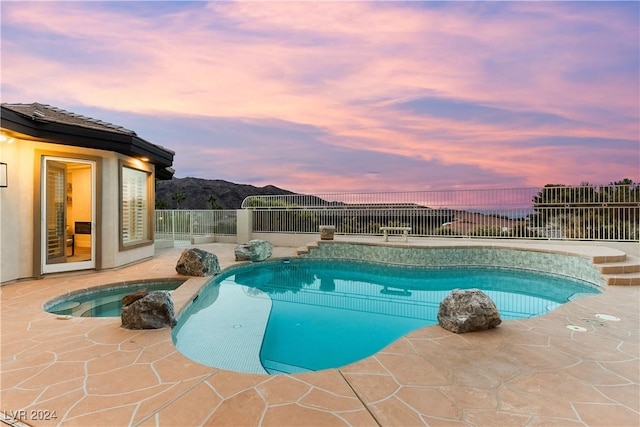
x: 347, y: 96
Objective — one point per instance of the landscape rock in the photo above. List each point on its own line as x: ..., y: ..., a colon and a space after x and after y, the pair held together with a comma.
x: 254, y: 250
x: 153, y: 311
x: 196, y: 262
x: 133, y: 297
x: 467, y: 311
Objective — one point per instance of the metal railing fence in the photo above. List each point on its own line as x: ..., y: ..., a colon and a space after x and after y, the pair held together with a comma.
x: 182, y: 225
x: 467, y: 199
x: 561, y: 195
x: 610, y: 212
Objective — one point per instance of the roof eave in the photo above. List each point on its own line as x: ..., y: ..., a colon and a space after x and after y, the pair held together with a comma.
x: 78, y: 136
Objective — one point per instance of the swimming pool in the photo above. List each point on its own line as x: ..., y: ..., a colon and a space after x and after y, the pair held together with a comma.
x: 308, y: 314
x: 105, y: 301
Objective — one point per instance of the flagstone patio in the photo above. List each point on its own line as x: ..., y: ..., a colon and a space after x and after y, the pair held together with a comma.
x: 570, y: 367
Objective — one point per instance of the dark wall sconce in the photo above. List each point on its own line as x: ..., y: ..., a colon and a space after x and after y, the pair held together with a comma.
x: 3, y: 175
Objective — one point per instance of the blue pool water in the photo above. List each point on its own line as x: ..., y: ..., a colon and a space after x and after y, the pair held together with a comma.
x: 105, y: 301
x: 308, y: 315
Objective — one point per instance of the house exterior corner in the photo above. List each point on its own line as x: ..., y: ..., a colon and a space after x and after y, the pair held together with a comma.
x: 79, y: 193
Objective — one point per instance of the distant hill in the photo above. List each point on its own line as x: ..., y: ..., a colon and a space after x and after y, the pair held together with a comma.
x: 197, y: 192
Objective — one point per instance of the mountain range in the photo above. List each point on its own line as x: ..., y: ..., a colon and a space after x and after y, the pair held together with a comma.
x: 198, y: 193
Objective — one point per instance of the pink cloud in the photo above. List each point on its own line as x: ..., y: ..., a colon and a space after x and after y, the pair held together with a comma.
x: 343, y: 68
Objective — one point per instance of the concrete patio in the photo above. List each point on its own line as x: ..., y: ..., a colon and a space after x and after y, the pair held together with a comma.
x: 533, y: 372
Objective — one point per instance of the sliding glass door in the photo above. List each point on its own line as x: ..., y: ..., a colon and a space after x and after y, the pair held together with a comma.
x: 68, y: 237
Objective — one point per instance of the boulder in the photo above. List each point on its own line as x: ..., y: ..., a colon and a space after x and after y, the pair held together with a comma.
x: 196, y: 262
x: 133, y: 297
x: 153, y: 311
x: 467, y: 311
x: 254, y: 250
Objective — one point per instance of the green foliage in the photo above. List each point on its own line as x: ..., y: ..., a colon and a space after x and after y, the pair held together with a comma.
x: 490, y: 231
x: 523, y: 230
x: 281, y: 216
x: 350, y: 225
x: 177, y: 198
x: 445, y: 231
x: 589, y: 212
x: 213, y: 203
x: 161, y: 204
x: 257, y: 202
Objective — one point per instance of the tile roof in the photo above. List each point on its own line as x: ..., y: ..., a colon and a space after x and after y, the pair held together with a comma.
x: 52, y: 124
x: 45, y: 112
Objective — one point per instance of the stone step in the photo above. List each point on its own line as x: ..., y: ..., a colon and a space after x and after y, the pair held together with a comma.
x: 629, y: 279
x: 605, y: 259
x: 626, y: 267
x: 625, y: 272
x: 304, y: 250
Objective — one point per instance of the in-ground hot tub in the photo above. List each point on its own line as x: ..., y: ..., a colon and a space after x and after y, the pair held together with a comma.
x: 105, y: 300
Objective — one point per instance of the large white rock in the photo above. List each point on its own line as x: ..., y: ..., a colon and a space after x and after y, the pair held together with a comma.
x: 468, y: 310
x: 254, y: 250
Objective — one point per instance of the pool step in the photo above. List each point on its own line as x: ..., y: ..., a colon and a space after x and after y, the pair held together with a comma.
x: 621, y: 273
x: 304, y: 250
x: 629, y: 266
x: 629, y: 279
x: 276, y: 367
x: 606, y: 259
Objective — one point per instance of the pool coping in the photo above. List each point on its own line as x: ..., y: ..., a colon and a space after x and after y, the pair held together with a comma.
x: 47, y: 305
x: 184, y: 296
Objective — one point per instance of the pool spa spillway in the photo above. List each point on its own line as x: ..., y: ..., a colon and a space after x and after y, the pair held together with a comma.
x: 299, y: 315
x: 105, y: 301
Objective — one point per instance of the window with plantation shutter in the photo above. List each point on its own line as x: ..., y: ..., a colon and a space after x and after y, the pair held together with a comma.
x: 135, y: 206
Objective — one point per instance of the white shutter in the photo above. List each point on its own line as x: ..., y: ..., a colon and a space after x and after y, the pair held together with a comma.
x: 135, y: 205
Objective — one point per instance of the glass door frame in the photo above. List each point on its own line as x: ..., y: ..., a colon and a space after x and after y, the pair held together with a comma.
x: 65, y: 266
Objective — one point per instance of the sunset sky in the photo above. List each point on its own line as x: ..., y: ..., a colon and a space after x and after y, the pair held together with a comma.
x: 347, y: 96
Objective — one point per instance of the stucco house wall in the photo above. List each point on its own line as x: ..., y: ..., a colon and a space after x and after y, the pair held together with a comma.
x: 20, y: 203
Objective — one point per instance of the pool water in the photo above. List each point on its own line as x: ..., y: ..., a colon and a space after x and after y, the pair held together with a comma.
x: 105, y: 302
x: 309, y: 315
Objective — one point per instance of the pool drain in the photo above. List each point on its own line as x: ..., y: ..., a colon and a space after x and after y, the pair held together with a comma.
x: 576, y: 328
